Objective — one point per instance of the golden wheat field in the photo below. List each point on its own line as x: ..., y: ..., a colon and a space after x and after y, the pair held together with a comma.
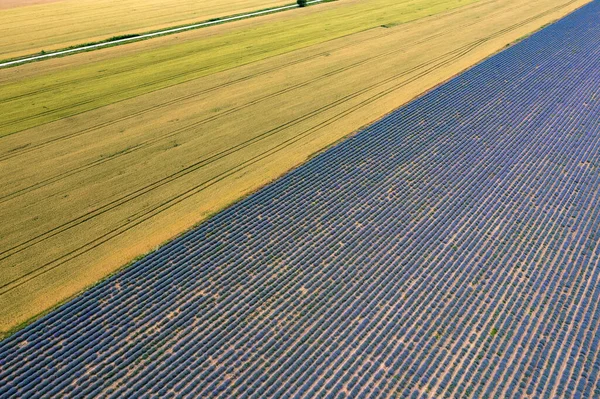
x: 106, y: 155
x: 30, y: 26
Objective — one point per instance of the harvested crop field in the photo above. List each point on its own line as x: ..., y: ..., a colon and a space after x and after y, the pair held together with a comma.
x: 108, y: 154
x: 22, y: 3
x: 30, y: 26
x: 448, y: 250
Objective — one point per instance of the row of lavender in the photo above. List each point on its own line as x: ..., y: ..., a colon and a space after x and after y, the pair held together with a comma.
x: 449, y: 250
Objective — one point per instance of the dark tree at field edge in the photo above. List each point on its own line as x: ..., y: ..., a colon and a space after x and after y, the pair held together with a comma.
x: 302, y: 3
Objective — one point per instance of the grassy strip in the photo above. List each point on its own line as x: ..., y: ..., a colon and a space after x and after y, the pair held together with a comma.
x: 141, y: 36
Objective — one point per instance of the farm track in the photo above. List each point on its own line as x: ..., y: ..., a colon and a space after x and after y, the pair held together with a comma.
x: 128, y: 68
x: 146, y: 36
x: 140, y: 217
x: 61, y: 25
x: 381, y: 267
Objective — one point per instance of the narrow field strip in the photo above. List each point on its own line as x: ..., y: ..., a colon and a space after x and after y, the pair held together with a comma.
x: 448, y: 250
x: 53, y: 25
x: 145, y: 36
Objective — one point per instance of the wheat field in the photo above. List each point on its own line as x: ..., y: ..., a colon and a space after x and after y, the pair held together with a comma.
x: 30, y: 26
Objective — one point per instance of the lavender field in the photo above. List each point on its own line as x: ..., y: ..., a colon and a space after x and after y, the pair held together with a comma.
x: 450, y: 250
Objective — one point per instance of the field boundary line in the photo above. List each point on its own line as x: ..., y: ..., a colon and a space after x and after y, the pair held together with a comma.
x: 134, y: 38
